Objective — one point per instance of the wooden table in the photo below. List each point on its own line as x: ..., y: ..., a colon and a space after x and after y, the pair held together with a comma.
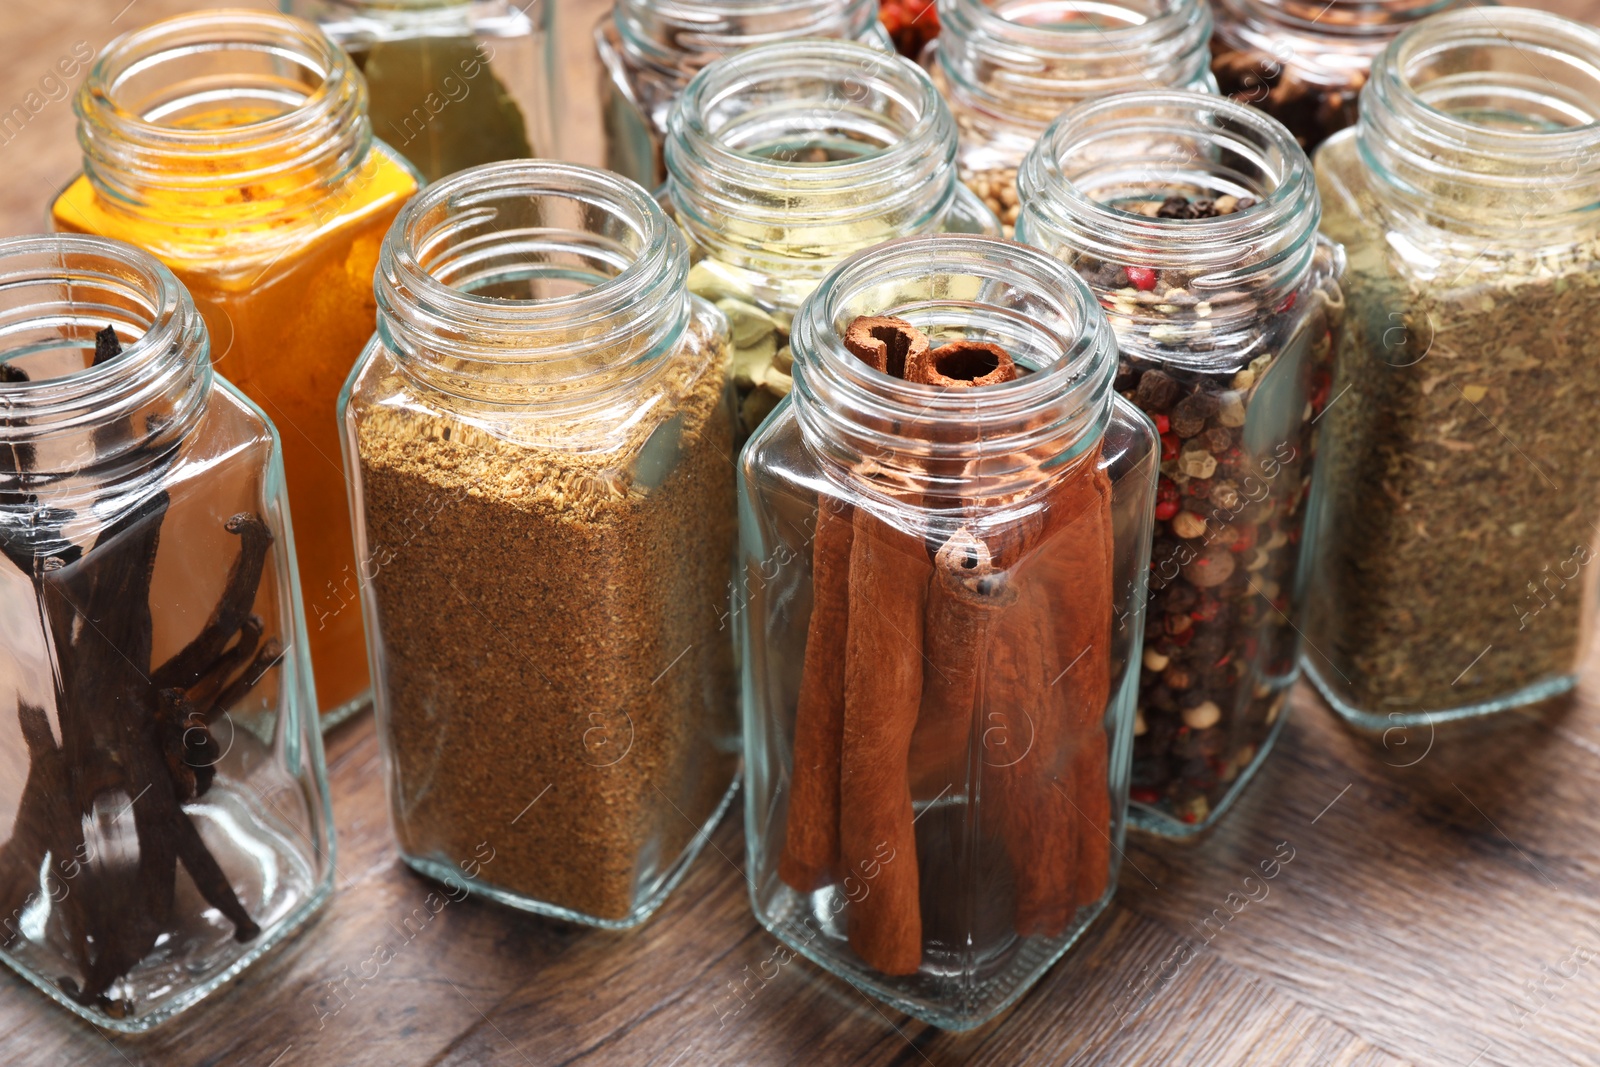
x: 1435, y: 883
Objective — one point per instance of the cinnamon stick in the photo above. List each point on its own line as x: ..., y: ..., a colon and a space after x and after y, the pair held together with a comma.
x: 888, y: 594
x: 810, y: 857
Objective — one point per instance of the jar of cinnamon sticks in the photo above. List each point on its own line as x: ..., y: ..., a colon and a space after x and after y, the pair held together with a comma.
x: 1195, y: 222
x: 943, y: 562
x: 1009, y: 67
x: 163, y: 806
x: 785, y: 159
x: 539, y: 444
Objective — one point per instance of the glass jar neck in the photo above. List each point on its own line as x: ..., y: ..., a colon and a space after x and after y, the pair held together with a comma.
x: 534, y: 286
x: 1012, y: 66
x: 215, y: 117
x: 1483, y: 126
x: 907, y: 442
x: 1328, y: 42
x: 74, y: 420
x: 785, y: 159
x: 676, y: 38
x: 1086, y: 187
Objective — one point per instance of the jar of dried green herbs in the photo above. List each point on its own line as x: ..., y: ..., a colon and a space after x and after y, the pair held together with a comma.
x: 538, y: 444
x: 164, y: 813
x: 1195, y: 221
x: 1009, y: 67
x: 650, y: 49
x: 786, y: 159
x: 451, y: 83
x: 1464, y: 473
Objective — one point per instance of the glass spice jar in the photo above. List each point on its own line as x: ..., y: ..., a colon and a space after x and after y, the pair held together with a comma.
x: 235, y: 147
x: 540, y: 431
x: 157, y: 699
x: 1009, y: 67
x: 945, y: 536
x: 1462, y: 472
x: 650, y: 49
x: 451, y: 83
x: 1304, y: 61
x: 1195, y: 222
x: 785, y: 159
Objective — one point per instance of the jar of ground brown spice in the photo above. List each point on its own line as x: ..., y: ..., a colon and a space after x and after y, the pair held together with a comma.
x: 1195, y: 221
x: 1009, y: 67
x: 538, y: 446
x: 943, y: 564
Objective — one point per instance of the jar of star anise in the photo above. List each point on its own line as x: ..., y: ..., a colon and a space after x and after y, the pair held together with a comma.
x: 1009, y: 67
x: 1304, y: 61
x: 784, y: 160
x: 944, y: 535
x: 649, y: 49
x: 164, y: 815
x: 1195, y: 221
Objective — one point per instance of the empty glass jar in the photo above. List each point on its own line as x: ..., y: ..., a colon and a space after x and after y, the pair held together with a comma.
x: 1195, y: 222
x: 785, y: 159
x: 540, y: 458
x: 451, y: 83
x: 164, y: 801
x: 1451, y: 574
x: 1009, y: 67
x: 649, y: 49
x: 944, y: 575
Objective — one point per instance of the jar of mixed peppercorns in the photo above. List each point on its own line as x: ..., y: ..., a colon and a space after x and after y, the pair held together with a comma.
x: 1195, y: 221
x: 1304, y: 61
x: 1008, y: 67
x: 784, y: 160
x: 649, y: 49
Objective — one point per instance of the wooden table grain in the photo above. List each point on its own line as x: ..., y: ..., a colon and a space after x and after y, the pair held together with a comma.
x: 1438, y: 905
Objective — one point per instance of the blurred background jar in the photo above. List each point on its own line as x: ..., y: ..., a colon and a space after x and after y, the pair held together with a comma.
x: 785, y: 159
x: 158, y: 711
x: 1195, y: 222
x: 1304, y: 61
x: 943, y: 578
x: 540, y: 431
x: 451, y: 83
x: 650, y: 49
x: 235, y: 147
x: 1009, y: 67
x: 1454, y: 573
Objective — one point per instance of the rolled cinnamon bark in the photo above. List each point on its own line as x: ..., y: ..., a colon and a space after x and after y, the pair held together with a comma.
x: 810, y: 857
x: 888, y: 595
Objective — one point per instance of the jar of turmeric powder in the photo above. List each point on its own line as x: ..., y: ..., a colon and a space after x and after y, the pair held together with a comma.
x: 1194, y: 220
x: 787, y: 158
x: 1009, y: 67
x: 943, y: 556
x: 539, y: 449
x: 235, y: 147
x: 650, y: 49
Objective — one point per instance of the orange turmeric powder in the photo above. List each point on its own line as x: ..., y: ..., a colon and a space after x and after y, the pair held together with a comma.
x: 281, y: 268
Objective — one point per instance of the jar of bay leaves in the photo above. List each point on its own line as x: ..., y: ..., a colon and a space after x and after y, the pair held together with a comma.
x: 235, y: 146
x: 451, y: 83
x: 164, y: 804
x: 1463, y: 473
x: 539, y: 449
x: 946, y: 534
x: 650, y: 49
x: 1009, y: 67
x: 785, y: 159
x: 1304, y: 61
x: 1195, y: 222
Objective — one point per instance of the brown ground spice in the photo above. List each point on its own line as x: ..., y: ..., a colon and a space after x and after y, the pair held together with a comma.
x: 557, y: 626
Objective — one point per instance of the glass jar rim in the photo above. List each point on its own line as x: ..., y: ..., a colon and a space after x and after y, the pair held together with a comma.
x: 845, y: 406
x: 627, y: 15
x: 1358, y: 19
x: 1053, y: 42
